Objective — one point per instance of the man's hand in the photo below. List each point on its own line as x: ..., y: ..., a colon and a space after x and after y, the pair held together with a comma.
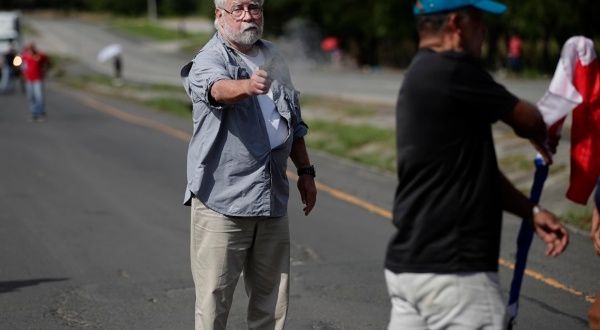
x: 553, y: 140
x: 259, y: 83
x: 308, y: 192
x: 596, y: 230
x: 551, y: 231
x: 544, y: 150
x: 594, y: 314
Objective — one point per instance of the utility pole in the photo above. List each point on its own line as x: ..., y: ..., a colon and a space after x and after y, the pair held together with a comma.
x: 152, y: 14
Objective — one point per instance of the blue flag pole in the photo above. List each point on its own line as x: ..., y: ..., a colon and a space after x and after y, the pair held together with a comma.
x: 524, y: 241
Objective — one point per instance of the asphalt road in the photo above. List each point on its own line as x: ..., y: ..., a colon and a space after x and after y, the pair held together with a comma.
x: 93, y: 233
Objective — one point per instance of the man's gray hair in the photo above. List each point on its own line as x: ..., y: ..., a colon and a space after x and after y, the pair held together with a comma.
x: 221, y: 3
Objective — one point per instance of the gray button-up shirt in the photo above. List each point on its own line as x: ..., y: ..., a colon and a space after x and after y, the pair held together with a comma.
x: 231, y: 167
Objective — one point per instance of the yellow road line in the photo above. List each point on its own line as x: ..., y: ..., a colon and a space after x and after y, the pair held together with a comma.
x: 133, y: 119
x: 548, y: 281
x: 338, y: 194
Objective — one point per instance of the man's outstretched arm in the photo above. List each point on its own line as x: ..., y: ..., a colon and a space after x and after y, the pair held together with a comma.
x: 528, y: 123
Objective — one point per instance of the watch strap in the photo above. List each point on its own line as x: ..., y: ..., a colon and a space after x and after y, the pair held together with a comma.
x: 307, y: 170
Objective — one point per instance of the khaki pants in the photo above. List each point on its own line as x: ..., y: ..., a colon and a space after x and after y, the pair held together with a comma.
x: 223, y: 247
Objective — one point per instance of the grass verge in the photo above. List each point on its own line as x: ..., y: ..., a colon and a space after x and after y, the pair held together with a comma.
x: 365, y: 144
x: 580, y: 216
x: 142, y: 28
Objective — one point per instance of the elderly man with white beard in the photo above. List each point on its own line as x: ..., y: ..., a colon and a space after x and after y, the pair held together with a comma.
x: 246, y: 123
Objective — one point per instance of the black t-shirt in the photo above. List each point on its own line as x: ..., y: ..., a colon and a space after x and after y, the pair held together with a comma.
x: 447, y: 208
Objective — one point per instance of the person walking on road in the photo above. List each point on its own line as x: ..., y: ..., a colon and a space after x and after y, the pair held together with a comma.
x: 35, y: 66
x: 8, y: 71
x: 515, y: 53
x: 247, y: 122
x: 442, y: 264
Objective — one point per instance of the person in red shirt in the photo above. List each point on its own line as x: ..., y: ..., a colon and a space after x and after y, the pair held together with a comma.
x: 515, y: 50
x: 35, y: 65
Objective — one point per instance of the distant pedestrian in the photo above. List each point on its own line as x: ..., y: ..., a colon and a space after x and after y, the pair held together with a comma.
x: 118, y: 68
x: 35, y: 66
x: 8, y: 70
x: 442, y: 263
x: 515, y: 53
x: 331, y: 47
x: 247, y: 123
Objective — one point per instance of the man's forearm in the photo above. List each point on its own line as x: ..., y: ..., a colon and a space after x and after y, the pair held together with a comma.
x: 298, y: 154
x: 513, y: 200
x: 229, y: 91
x: 527, y: 122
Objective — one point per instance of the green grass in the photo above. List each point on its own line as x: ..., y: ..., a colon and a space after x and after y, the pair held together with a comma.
x: 518, y: 162
x: 138, y: 27
x: 171, y: 105
x: 143, y: 28
x: 165, y: 98
x: 192, y: 45
x: 365, y: 144
x: 580, y: 217
x: 338, y: 105
x: 85, y: 81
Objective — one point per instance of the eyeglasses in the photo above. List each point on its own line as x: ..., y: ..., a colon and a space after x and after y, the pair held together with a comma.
x: 239, y: 11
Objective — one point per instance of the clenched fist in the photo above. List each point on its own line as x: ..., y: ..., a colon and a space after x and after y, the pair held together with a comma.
x: 259, y: 83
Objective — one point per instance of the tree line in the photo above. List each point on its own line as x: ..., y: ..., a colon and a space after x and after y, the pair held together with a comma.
x: 382, y: 32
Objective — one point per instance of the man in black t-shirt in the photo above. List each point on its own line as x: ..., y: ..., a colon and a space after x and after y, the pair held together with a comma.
x: 442, y: 264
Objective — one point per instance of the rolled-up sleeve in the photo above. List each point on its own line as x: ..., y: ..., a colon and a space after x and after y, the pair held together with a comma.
x: 207, y: 68
x: 300, y: 128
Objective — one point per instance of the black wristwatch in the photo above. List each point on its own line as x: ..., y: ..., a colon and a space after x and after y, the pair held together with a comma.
x: 308, y: 170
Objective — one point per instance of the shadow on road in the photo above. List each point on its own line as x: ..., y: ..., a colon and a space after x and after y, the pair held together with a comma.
x: 553, y: 310
x: 10, y: 286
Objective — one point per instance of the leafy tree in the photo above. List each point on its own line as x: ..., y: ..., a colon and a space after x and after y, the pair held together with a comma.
x: 383, y: 31
x: 543, y: 21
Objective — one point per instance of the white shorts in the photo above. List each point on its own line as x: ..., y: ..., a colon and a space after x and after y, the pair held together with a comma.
x: 445, y: 301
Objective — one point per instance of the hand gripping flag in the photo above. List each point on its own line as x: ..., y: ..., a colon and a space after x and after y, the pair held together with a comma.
x: 575, y: 88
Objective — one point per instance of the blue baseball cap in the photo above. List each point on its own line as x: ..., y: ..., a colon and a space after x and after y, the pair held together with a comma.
x: 425, y: 7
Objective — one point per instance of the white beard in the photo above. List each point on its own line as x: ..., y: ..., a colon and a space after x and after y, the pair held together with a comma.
x: 244, y: 37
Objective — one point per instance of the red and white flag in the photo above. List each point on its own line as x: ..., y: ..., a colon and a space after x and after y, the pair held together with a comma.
x: 575, y: 88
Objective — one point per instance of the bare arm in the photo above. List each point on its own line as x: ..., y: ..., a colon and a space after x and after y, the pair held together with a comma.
x: 546, y: 225
x: 306, y: 183
x: 595, y: 233
x: 527, y: 122
x: 232, y: 91
x: 514, y: 201
x: 594, y: 314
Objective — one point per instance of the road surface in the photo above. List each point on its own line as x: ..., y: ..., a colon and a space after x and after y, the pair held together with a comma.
x: 94, y: 234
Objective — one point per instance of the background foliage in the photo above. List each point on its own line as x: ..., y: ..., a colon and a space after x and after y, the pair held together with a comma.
x: 381, y: 32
